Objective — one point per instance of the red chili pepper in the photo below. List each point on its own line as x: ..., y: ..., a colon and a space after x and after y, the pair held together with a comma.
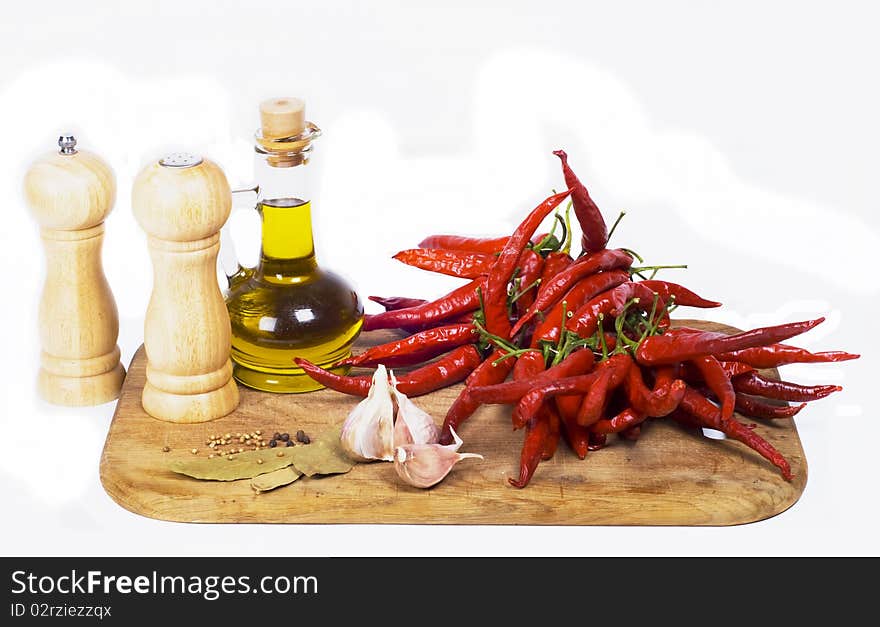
x: 459, y: 301
x: 700, y: 408
x: 531, y: 267
x: 465, y: 405
x: 451, y: 368
x: 544, y: 389
x: 776, y: 355
x: 416, y: 348
x: 574, y: 299
x: 681, y: 344
x: 754, y: 383
x: 457, y: 263
x: 662, y: 400
x: 755, y: 408
x: 392, y: 303
x: 495, y: 294
x: 490, y: 245
x: 586, y: 266
x: 626, y: 419
x: 735, y: 368
x: 683, y: 296
x: 537, y: 433
x: 539, y: 430
x: 598, y: 441
x: 578, y: 437
x: 555, y: 263
x: 551, y: 441
x: 612, y: 372
x: 611, y: 304
x: 578, y: 362
x: 717, y: 381
x: 595, y: 232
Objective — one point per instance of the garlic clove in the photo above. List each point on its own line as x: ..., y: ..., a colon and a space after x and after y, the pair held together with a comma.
x: 413, y: 425
x: 368, y: 432
x: 425, y: 465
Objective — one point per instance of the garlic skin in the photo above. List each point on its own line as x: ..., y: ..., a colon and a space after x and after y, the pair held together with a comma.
x: 412, y: 424
x: 425, y: 465
x: 368, y: 432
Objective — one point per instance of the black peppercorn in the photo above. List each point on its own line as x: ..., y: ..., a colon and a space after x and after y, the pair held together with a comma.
x: 273, y: 443
x: 300, y: 435
x: 305, y: 439
x: 285, y: 437
x: 290, y: 443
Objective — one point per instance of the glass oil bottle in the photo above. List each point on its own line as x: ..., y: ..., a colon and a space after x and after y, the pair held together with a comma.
x: 287, y: 306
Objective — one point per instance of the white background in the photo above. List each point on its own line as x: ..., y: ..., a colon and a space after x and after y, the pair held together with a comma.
x: 741, y: 138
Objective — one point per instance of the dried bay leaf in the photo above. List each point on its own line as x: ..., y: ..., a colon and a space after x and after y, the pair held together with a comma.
x: 246, y: 465
x: 275, y: 479
x: 324, y: 456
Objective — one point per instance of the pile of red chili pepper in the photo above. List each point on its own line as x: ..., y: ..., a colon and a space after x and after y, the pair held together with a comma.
x: 586, y: 342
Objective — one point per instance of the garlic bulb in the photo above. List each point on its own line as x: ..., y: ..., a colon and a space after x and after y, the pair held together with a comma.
x: 368, y: 432
x: 424, y: 465
x: 412, y: 424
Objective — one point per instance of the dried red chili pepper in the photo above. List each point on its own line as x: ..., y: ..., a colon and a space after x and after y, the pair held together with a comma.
x: 553, y: 290
x: 555, y: 263
x: 551, y: 441
x: 660, y: 401
x: 459, y: 301
x: 717, y: 381
x: 391, y: 303
x: 531, y: 268
x: 540, y: 441
x: 534, y: 444
x: 611, y: 304
x: 416, y: 348
x: 581, y: 292
x: 578, y: 362
x: 735, y: 368
x: 451, y: 368
x: 612, y: 372
x: 457, y: 263
x: 626, y: 419
x: 756, y: 408
x: 708, y: 415
x: 595, y: 232
x: 683, y: 296
x: 495, y: 294
x: 490, y: 245
x: 578, y: 437
x: 465, y: 405
x: 754, y: 383
x: 776, y: 355
x: 681, y: 344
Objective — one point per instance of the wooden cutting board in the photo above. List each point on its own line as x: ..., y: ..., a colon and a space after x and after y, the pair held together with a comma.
x: 670, y: 476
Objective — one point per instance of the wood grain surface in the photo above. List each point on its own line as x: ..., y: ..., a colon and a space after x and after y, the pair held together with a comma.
x: 670, y: 476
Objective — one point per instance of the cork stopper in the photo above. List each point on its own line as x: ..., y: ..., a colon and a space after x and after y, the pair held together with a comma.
x: 282, y: 117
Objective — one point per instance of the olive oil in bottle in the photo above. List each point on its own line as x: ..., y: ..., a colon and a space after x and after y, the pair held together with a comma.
x: 287, y: 306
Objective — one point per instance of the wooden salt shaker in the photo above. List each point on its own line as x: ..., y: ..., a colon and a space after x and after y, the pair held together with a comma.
x: 70, y: 194
x: 181, y: 202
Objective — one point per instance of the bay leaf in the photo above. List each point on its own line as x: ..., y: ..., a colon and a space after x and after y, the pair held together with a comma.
x: 275, y: 479
x: 324, y: 456
x: 246, y: 465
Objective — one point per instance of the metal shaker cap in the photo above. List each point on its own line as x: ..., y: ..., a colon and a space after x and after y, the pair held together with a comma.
x: 67, y: 143
x: 180, y: 160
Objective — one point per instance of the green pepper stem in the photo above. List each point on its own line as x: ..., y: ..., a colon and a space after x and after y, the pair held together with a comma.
x: 614, y: 226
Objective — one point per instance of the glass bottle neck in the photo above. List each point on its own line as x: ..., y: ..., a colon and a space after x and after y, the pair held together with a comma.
x: 288, y: 249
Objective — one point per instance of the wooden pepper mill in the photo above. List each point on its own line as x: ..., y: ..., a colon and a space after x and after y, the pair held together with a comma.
x: 181, y: 202
x: 70, y: 194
